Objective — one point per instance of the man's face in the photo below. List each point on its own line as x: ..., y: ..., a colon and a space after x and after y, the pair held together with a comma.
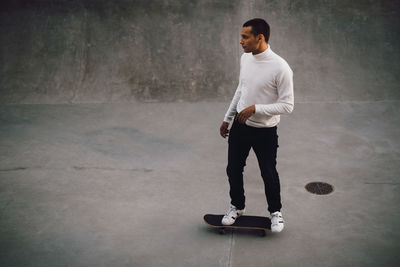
x: 248, y: 41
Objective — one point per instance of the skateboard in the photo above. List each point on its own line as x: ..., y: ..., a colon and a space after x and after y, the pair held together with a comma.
x: 243, y: 222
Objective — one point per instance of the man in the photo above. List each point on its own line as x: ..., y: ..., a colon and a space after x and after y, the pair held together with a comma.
x: 264, y: 92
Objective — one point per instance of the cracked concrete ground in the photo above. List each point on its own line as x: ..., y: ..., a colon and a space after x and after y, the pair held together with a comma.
x: 128, y: 185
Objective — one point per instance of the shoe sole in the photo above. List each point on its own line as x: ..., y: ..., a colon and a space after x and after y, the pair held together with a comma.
x: 276, y: 230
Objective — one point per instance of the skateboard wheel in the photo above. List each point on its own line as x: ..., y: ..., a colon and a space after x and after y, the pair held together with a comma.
x: 263, y: 233
x: 222, y: 231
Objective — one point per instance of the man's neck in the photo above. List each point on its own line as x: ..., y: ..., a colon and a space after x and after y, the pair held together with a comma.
x: 263, y: 47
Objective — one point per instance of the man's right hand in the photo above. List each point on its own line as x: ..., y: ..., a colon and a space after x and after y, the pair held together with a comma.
x: 223, y: 130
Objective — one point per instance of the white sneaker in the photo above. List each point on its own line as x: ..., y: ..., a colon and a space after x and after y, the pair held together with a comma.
x: 231, y: 215
x: 277, y: 221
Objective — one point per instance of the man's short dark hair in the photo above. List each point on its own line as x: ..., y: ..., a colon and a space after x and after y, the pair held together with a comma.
x: 258, y: 26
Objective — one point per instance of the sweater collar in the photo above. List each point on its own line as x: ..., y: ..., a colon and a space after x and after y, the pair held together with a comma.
x: 263, y: 55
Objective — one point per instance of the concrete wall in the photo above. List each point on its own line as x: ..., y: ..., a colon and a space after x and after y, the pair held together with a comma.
x: 63, y: 51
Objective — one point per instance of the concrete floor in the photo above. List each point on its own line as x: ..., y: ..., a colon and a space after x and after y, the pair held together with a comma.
x: 128, y: 185
x: 113, y: 184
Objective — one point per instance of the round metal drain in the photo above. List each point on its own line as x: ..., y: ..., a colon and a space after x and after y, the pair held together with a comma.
x: 319, y: 188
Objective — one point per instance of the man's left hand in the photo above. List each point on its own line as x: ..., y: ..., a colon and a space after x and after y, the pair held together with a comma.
x: 246, y: 113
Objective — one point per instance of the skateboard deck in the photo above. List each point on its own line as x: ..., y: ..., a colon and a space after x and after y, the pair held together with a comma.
x: 243, y: 222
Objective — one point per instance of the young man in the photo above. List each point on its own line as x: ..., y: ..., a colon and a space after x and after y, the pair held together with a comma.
x: 264, y: 92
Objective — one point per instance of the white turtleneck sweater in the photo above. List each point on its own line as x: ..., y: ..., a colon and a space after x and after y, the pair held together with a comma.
x: 266, y: 81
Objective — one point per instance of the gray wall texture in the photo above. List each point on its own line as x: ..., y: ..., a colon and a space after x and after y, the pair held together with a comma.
x: 98, y: 51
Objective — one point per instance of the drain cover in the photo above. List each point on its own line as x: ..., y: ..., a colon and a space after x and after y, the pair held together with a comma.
x: 319, y: 188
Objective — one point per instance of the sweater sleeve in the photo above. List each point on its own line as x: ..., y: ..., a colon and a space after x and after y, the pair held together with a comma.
x: 285, y: 101
x: 232, y: 107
